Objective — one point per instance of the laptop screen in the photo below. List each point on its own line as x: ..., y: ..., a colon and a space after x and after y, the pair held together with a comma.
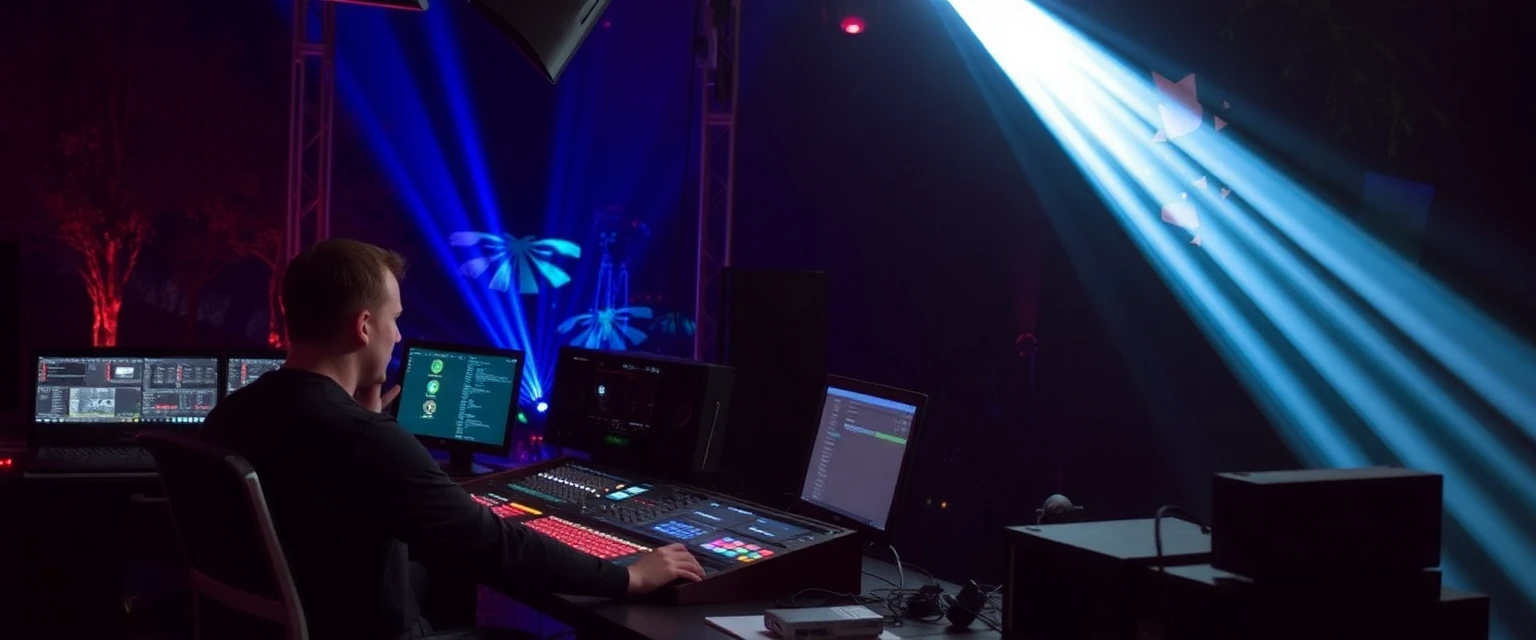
x: 125, y: 389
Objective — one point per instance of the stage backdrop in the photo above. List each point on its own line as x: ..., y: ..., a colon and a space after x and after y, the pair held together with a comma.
x: 876, y: 159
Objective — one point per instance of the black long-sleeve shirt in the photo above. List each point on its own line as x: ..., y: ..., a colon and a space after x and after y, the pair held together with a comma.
x: 349, y: 489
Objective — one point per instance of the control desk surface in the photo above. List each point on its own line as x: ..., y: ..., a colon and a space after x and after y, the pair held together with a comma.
x: 747, y: 551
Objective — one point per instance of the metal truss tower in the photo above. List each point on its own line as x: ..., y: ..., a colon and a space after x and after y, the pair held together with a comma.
x: 311, y: 114
x: 718, y: 67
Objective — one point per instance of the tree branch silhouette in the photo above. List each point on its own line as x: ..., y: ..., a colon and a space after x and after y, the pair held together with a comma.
x: 1371, y: 66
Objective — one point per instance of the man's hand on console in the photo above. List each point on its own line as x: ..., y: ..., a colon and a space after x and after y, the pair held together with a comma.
x: 374, y: 397
x: 661, y: 567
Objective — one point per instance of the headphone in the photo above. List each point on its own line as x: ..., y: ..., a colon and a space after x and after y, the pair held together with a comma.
x: 963, y: 608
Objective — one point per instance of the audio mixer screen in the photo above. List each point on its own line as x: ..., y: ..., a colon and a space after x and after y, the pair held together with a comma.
x: 243, y: 371
x: 458, y: 395
x: 124, y: 389
x: 622, y: 399
x: 858, y: 454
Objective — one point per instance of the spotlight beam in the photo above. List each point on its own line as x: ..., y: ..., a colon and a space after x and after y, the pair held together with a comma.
x: 1340, y: 313
x: 450, y: 71
x: 382, y: 54
x: 1458, y: 334
x: 1336, y: 304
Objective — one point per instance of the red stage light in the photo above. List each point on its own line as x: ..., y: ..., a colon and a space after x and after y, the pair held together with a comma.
x: 853, y: 25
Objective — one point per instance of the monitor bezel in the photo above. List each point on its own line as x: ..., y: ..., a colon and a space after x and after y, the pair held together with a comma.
x: 97, y: 433
x: 230, y: 355
x: 886, y: 392
x: 470, y: 445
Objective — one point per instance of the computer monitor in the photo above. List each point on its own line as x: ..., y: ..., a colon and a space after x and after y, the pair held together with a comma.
x: 861, y: 451
x: 462, y: 399
x: 122, y: 387
x: 244, y: 367
x: 640, y: 412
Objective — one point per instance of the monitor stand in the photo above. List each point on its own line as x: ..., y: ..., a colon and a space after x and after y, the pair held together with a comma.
x: 461, y: 464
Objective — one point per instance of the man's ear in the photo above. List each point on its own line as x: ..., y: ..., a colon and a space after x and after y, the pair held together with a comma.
x: 361, y: 332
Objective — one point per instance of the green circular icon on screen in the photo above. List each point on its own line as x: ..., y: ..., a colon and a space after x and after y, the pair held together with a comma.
x: 437, y: 366
x: 432, y: 387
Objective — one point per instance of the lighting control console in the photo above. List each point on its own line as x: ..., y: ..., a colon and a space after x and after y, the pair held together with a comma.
x: 748, y: 552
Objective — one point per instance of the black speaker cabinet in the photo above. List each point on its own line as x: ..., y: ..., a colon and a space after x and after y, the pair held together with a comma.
x: 774, y: 333
x: 1325, y: 522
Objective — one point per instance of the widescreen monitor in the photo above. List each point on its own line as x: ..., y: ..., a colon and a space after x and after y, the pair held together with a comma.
x: 117, y: 387
x: 243, y: 368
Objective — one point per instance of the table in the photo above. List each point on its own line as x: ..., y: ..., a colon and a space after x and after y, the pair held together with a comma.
x: 1080, y: 580
x: 620, y: 620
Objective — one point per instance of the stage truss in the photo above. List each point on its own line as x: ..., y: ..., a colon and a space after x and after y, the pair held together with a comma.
x: 719, y: 89
x: 311, y: 119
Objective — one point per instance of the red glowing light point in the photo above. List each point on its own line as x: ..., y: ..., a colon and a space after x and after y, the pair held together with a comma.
x: 853, y: 25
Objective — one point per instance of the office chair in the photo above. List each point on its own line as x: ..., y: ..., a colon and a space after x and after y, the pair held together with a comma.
x: 240, y: 581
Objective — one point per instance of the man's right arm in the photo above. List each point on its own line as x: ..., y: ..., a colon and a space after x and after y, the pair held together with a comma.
x: 422, y: 507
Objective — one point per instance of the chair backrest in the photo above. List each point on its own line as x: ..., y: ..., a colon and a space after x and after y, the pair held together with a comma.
x: 226, y: 532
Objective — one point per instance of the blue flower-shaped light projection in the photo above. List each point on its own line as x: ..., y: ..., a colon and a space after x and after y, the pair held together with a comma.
x: 526, y: 259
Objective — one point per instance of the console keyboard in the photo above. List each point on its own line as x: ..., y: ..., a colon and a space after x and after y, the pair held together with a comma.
x: 79, y: 453
x: 584, y: 539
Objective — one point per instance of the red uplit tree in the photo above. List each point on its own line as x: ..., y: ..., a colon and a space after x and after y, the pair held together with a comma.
x: 114, y: 90
x: 1368, y: 54
x: 231, y: 203
x: 213, y: 234
x: 98, y: 217
x: 267, y: 247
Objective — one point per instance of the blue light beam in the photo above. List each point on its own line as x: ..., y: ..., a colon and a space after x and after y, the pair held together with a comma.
x: 1333, y: 302
x: 365, y: 87
x: 450, y: 71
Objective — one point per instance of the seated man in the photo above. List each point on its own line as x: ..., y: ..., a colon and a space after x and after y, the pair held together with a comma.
x: 350, y: 489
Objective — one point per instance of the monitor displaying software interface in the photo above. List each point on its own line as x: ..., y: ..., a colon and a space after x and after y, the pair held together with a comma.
x: 622, y: 397
x: 239, y: 372
x: 458, y: 395
x: 857, y: 458
x: 116, y: 389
